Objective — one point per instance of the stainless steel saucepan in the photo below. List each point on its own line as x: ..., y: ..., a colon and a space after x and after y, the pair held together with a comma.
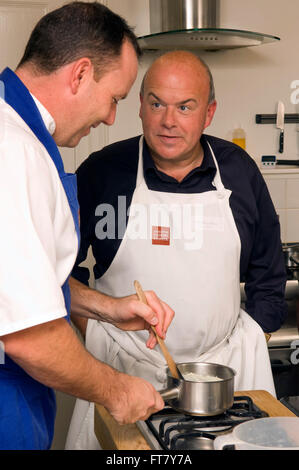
x: 204, y: 397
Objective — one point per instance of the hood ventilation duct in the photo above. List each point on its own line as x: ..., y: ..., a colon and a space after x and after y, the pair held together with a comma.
x: 194, y: 24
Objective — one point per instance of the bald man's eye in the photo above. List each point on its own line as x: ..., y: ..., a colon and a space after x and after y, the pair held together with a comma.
x: 184, y: 108
x: 156, y: 105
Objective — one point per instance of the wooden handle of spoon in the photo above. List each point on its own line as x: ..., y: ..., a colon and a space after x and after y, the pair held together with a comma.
x: 171, y: 364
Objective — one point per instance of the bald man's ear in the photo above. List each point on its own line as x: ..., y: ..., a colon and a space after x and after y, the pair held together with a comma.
x: 210, y: 113
x: 141, y: 101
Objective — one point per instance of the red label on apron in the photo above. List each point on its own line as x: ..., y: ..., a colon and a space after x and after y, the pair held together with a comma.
x: 160, y: 235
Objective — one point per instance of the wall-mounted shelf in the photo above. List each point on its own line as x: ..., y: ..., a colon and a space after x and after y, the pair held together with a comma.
x: 271, y: 118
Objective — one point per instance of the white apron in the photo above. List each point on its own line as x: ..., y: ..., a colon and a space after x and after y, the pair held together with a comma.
x: 186, y: 248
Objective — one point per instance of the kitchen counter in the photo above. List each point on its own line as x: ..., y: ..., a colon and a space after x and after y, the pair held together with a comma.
x: 112, y: 436
x: 279, y: 169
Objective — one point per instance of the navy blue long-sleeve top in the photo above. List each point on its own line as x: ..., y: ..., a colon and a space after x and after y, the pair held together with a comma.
x: 111, y: 172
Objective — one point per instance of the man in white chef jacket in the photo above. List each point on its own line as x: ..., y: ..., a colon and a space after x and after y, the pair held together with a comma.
x: 79, y: 61
x: 195, y: 202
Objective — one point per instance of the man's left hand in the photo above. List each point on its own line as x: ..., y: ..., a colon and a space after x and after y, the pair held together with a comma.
x: 130, y: 314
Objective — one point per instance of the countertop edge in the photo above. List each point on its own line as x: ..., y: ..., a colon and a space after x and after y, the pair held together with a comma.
x: 112, y: 436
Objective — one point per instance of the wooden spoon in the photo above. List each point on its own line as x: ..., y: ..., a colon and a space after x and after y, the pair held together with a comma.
x: 171, y: 364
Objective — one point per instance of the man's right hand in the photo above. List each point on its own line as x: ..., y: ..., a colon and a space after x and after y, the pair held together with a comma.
x: 133, y: 399
x: 52, y: 354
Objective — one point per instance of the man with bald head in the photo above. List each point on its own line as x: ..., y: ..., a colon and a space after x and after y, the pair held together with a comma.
x: 190, y: 217
x: 173, y: 123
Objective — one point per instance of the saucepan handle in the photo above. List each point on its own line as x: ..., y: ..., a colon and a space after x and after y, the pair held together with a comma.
x: 170, y: 393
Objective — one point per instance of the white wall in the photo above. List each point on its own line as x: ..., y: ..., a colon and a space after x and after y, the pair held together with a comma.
x: 248, y: 81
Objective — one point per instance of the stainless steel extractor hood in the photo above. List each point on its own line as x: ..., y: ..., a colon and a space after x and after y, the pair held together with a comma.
x: 194, y: 24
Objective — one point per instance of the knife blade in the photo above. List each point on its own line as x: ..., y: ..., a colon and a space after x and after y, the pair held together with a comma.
x: 280, y: 124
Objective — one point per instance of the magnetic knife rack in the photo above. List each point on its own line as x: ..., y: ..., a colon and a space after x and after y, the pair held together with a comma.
x: 271, y: 118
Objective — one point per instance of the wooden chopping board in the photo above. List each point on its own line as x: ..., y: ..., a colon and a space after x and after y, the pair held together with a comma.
x: 266, y: 402
x: 112, y: 436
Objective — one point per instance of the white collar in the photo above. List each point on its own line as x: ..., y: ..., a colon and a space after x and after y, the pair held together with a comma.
x: 46, y: 116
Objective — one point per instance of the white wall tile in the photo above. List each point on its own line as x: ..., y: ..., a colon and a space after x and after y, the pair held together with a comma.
x: 277, y: 189
x: 292, y: 193
x: 292, y: 218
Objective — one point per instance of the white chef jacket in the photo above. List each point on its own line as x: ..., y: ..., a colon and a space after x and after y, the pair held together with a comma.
x: 38, y: 237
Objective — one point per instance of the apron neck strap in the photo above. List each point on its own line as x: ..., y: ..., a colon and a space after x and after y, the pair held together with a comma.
x: 217, y: 182
x: 140, y: 177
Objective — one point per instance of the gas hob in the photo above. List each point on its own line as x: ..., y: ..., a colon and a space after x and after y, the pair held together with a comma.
x: 171, y: 430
